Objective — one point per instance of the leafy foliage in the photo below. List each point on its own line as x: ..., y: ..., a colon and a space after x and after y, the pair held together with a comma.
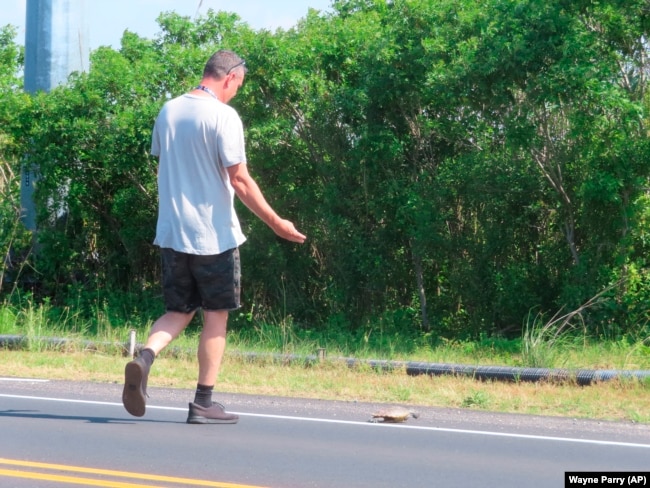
x: 454, y: 165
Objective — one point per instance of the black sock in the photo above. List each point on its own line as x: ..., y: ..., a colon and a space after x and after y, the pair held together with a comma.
x: 148, y: 355
x: 203, y: 395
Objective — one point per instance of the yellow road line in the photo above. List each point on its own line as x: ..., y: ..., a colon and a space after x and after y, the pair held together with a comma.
x: 70, y: 479
x: 106, y: 472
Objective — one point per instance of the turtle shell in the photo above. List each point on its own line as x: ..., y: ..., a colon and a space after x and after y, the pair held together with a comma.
x: 393, y: 414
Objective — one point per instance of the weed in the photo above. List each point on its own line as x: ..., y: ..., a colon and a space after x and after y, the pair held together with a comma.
x: 478, y: 399
x: 543, y: 340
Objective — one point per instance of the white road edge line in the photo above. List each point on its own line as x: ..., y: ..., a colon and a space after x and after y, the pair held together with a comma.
x: 366, y: 424
x: 24, y: 380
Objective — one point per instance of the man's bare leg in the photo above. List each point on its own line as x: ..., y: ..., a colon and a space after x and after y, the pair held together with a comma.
x: 166, y: 329
x: 136, y: 372
x: 212, y: 345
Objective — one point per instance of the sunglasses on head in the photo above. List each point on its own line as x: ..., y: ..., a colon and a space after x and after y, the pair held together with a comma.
x: 241, y: 63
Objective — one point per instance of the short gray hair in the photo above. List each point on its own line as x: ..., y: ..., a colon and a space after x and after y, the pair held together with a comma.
x: 222, y: 63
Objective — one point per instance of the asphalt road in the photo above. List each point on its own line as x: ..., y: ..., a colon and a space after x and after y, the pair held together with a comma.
x: 56, y: 434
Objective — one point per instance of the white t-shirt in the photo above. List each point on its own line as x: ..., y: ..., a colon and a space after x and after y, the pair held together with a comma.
x: 195, y: 139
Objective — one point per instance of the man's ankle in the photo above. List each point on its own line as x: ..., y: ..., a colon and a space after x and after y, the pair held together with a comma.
x: 148, y: 355
x: 203, y: 395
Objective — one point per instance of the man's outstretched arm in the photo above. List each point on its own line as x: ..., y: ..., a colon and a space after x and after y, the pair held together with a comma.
x: 249, y: 192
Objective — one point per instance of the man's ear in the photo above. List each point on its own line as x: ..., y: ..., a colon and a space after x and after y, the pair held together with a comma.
x: 229, y: 78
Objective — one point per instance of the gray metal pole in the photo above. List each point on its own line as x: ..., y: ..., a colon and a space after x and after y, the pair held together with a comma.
x: 56, y: 44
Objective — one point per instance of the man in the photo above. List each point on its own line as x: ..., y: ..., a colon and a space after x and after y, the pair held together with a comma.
x: 199, y: 141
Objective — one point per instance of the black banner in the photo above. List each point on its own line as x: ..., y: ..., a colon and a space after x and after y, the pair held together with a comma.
x: 606, y: 478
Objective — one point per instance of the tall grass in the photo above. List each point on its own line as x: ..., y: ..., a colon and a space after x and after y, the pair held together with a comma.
x: 12, y: 232
x: 545, y: 342
x: 561, y: 342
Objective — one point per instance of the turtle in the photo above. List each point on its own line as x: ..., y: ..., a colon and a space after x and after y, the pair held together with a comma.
x: 393, y: 415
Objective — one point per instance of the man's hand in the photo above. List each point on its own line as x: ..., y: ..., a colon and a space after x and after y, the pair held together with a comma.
x: 288, y: 231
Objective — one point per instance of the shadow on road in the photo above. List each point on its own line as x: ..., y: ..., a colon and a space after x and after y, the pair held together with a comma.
x: 36, y: 414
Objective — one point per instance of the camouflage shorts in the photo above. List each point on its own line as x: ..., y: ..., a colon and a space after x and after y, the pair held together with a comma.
x: 191, y: 281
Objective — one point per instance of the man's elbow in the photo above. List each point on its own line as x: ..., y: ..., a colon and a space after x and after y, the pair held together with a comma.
x: 240, y: 187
